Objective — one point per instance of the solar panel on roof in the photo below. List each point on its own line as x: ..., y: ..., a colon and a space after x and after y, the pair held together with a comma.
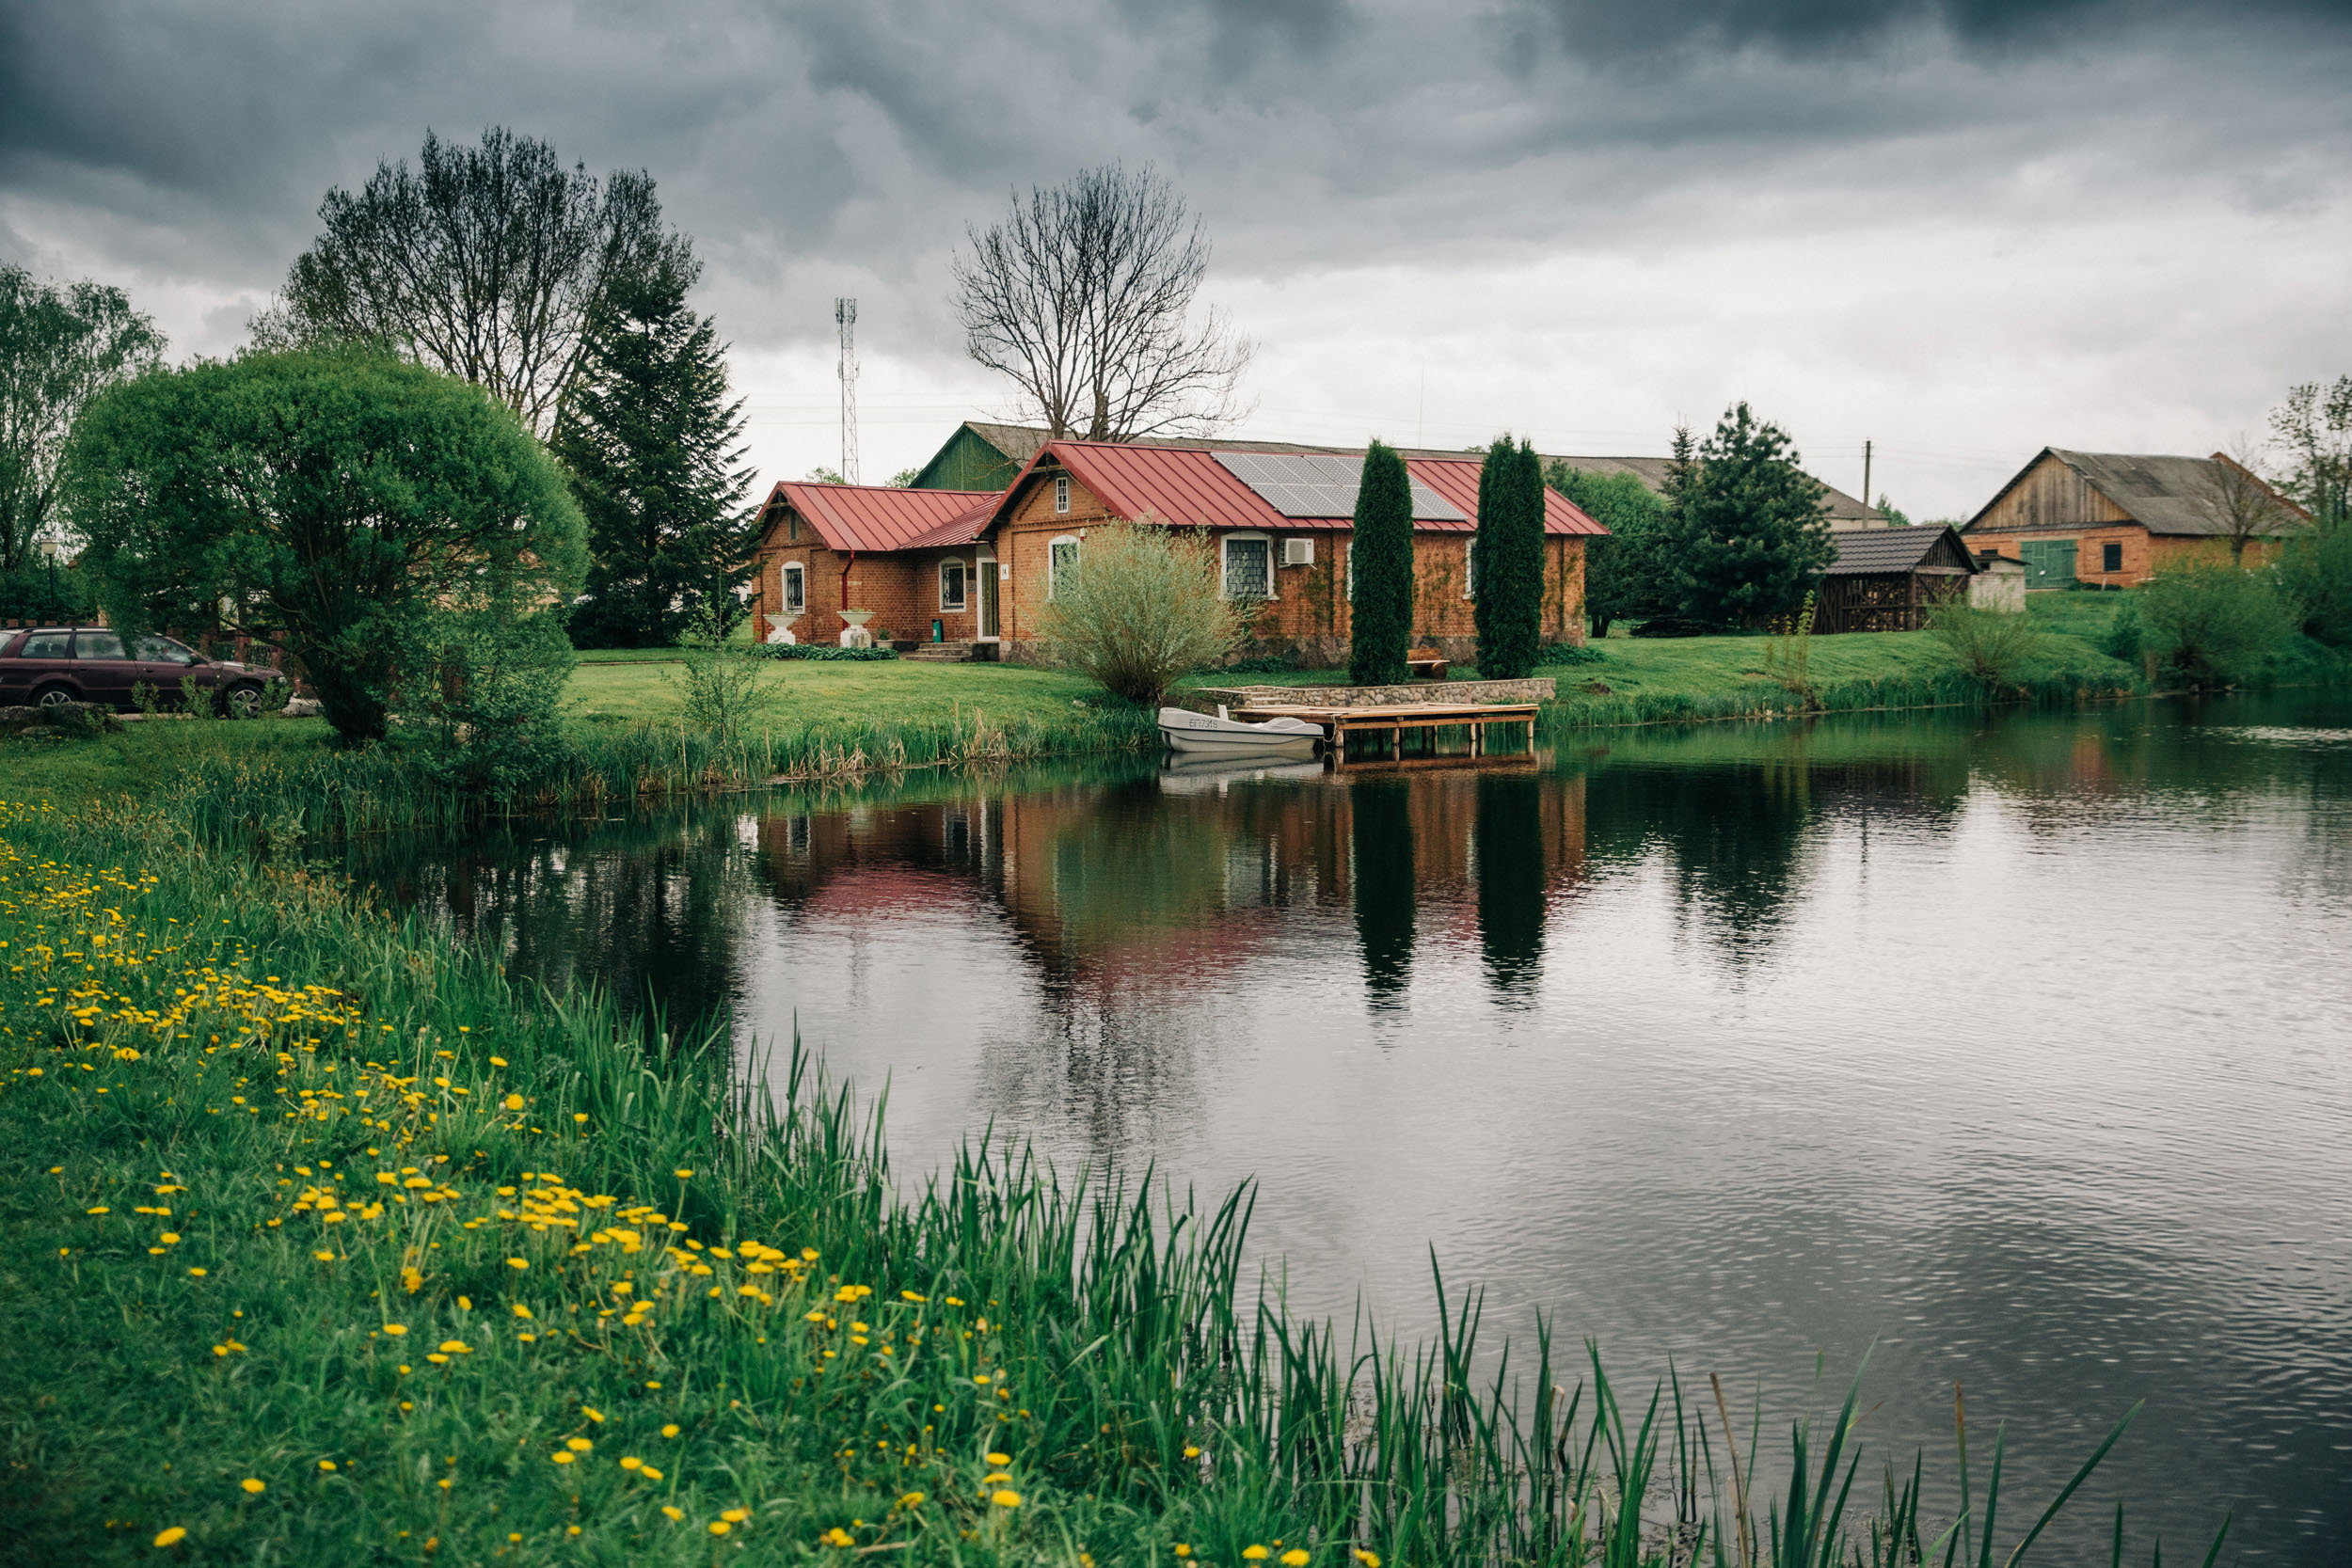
x: 1321, y: 484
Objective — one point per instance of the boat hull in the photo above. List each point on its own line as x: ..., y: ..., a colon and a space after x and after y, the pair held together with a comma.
x: 1202, y: 735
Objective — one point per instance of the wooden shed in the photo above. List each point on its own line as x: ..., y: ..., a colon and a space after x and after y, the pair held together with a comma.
x: 1887, y: 580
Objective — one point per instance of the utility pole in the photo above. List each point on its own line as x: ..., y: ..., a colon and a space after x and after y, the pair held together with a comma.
x: 1866, y: 473
x: 844, y: 315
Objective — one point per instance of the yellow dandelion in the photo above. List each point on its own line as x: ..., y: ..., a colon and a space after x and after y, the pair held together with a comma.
x: 328, y: 1465
x: 1253, y: 1554
x: 562, y: 1456
x: 1369, y: 1560
x: 682, y: 1175
x: 171, y: 1537
x: 837, y: 1537
x: 253, y: 1483
x: 1005, y: 1499
x: 578, y: 1445
x: 675, y: 1513
x: 1294, y: 1558
x: 1182, y: 1550
x: 649, y: 1472
x: 594, y: 1415
x: 1191, y: 1453
x: 735, y: 1515
x: 670, y: 1430
x: 396, y: 1330
x: 519, y: 1263
x: 1000, y: 1459
x: 199, y: 1272
x: 912, y: 1500
x: 719, y: 1526
x: 630, y: 1462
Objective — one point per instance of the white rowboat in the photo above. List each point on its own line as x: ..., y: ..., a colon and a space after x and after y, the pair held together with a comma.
x: 1215, y: 735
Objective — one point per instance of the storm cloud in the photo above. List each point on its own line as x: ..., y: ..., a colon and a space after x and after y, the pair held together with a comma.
x: 1957, y: 229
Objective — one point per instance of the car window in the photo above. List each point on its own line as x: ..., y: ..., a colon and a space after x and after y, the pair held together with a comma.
x: 163, y: 650
x: 47, y: 645
x: 98, y: 645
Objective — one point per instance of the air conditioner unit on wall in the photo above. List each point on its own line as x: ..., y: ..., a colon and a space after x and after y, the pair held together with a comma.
x: 1299, y: 552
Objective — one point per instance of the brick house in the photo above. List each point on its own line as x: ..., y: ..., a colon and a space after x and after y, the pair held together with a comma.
x: 2109, y: 519
x: 908, y: 556
x: 1282, y: 522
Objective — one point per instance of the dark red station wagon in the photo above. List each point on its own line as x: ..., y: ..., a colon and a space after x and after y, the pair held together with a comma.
x: 91, y: 664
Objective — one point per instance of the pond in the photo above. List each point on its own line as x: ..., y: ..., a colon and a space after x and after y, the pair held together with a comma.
x: 2014, y: 1044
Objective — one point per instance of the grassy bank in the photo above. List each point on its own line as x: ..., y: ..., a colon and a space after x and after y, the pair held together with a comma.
x: 320, y: 1244
x: 624, y: 743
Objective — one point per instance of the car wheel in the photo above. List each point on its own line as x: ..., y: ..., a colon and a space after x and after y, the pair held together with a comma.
x: 54, y: 696
x: 242, y: 701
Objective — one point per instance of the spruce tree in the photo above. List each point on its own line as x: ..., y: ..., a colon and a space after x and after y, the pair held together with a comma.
x: 1380, y: 551
x: 1750, y: 528
x: 654, y: 448
x: 1507, y: 562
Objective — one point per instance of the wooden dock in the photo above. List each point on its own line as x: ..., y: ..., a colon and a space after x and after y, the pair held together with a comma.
x: 1339, y: 722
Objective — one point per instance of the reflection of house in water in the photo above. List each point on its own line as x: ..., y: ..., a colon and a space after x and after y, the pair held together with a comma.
x: 1134, y: 881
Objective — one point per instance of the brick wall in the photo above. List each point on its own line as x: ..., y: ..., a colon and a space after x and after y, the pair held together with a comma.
x: 1309, y: 614
x: 2143, y: 553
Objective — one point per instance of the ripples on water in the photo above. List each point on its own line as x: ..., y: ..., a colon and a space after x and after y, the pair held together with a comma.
x: 2017, y: 1045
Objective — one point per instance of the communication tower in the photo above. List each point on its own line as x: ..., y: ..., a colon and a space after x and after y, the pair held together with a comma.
x: 845, y: 314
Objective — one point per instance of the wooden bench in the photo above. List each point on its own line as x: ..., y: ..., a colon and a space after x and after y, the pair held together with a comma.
x: 1426, y: 664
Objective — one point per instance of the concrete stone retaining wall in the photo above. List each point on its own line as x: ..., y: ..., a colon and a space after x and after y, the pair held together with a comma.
x: 1205, y: 699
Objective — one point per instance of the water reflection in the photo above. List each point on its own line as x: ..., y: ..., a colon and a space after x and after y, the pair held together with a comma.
x: 2011, y: 1043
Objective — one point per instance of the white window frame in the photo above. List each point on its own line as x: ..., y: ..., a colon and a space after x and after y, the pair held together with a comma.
x: 1061, y: 493
x: 964, y: 602
x: 1053, y: 574
x: 1225, y: 564
x: 784, y: 574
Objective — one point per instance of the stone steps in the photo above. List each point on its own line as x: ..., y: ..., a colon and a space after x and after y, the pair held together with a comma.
x: 940, y: 653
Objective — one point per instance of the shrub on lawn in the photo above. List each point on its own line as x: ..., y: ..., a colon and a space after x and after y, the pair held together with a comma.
x: 2212, y: 624
x: 820, y: 651
x: 1991, y: 647
x: 723, y: 688
x: 1141, y: 608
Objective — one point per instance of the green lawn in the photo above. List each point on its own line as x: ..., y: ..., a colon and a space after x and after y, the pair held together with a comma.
x: 822, y: 691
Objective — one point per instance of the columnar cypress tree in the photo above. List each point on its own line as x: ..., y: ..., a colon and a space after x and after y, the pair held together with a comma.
x: 1381, y: 553
x: 654, y: 447
x: 1508, y: 559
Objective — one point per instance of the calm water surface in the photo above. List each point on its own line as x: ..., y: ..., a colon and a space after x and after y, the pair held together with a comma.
x: 2020, y: 1046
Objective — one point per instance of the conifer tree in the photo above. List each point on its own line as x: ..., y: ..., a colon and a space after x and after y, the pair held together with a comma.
x: 1507, y: 565
x: 654, y: 448
x: 1380, y: 551
x: 1749, y: 527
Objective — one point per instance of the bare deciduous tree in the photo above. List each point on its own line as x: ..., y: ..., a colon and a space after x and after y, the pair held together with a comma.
x: 2239, y: 502
x: 483, y: 262
x: 1084, y: 296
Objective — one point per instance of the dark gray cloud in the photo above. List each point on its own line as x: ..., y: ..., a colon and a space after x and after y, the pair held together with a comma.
x: 1667, y: 194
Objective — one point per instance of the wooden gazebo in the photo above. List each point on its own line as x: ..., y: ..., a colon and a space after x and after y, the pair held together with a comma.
x: 1888, y: 578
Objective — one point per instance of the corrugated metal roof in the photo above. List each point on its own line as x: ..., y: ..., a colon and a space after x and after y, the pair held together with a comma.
x: 880, y: 517
x: 1845, y: 510
x: 961, y: 529
x: 1188, y: 486
x: 1889, y: 551
x: 1457, y: 480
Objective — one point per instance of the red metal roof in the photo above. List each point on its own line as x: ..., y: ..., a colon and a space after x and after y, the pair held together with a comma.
x: 1187, y: 485
x: 882, y: 516
x: 1176, y: 484
x: 1457, y: 480
x: 961, y: 529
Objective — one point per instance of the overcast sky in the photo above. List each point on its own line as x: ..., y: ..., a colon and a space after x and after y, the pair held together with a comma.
x: 1959, y: 230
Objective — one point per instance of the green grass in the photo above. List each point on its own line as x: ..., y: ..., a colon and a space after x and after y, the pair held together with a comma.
x: 320, y: 1243
x: 817, y: 693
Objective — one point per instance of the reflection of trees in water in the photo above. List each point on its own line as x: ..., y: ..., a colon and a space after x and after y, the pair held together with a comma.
x: 1380, y: 831
x: 1512, y: 864
x: 1733, y: 837
x: 650, y: 911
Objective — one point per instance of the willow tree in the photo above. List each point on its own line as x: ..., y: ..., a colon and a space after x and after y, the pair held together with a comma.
x: 1507, y: 562
x: 358, y: 509
x: 1380, y: 563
